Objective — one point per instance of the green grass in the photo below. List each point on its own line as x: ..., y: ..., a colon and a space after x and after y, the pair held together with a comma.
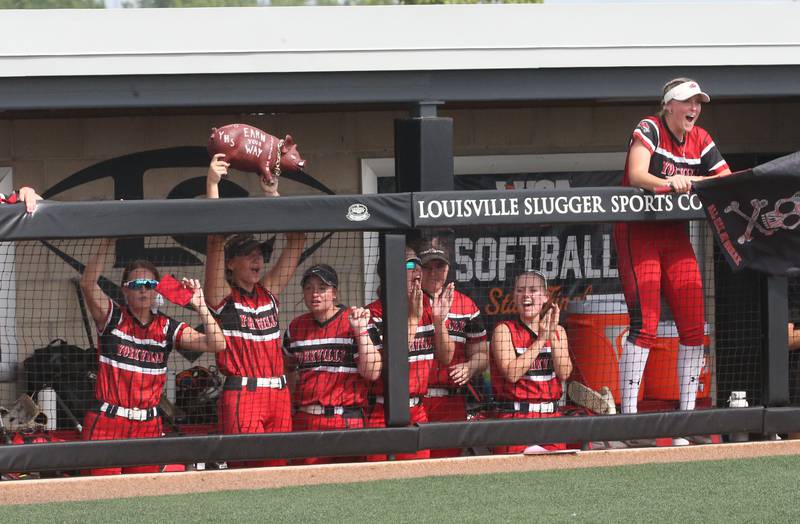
x: 748, y: 490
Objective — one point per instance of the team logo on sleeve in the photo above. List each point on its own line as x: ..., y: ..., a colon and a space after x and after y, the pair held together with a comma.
x: 644, y: 126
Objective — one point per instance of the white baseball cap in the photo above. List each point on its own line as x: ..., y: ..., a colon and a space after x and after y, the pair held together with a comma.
x: 685, y: 91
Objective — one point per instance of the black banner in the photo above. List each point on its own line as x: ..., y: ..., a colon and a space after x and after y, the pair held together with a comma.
x: 755, y: 213
x: 57, y: 220
x: 564, y: 206
x: 559, y: 223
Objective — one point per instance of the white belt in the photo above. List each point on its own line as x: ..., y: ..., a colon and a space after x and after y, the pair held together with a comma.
x: 544, y: 407
x: 130, y: 413
x: 412, y: 402
x: 236, y: 383
x: 271, y: 382
x: 316, y: 409
x: 438, y: 392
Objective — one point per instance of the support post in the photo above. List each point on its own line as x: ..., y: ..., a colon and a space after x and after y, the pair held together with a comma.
x: 423, y: 150
x: 775, y: 320
x: 395, y: 334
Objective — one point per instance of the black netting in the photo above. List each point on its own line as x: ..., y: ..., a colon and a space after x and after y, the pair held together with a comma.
x: 794, y: 340
x: 493, y: 362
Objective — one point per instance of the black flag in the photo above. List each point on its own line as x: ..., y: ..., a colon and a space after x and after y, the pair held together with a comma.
x: 755, y: 215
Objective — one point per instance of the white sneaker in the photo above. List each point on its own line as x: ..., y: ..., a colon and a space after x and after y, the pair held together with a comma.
x: 601, y: 403
x: 680, y: 441
x: 535, y: 450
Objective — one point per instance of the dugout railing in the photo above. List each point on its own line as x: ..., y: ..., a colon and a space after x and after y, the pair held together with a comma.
x: 396, y: 216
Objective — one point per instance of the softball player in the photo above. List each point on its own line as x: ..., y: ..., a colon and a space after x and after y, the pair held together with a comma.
x: 134, y: 343
x: 667, y: 149
x: 445, y: 400
x: 428, y: 339
x: 255, y: 398
x: 334, y: 357
x: 530, y: 358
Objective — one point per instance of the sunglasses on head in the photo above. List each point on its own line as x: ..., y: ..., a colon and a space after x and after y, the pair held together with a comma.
x: 139, y: 283
x: 411, y: 263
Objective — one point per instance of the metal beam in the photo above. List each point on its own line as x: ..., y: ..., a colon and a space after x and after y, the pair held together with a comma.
x: 397, y: 87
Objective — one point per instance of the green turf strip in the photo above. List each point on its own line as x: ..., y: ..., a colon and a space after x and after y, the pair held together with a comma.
x: 749, y: 490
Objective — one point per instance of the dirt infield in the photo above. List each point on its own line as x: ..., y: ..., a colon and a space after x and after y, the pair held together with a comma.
x: 91, y: 488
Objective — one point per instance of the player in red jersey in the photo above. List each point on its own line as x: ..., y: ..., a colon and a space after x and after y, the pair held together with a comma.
x: 530, y: 358
x: 255, y: 398
x: 668, y: 149
x: 135, y: 340
x: 428, y: 339
x: 26, y: 195
x: 334, y: 357
x: 445, y: 400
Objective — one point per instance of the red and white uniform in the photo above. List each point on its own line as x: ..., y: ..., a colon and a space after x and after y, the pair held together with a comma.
x: 445, y: 402
x: 539, y: 383
x: 326, y: 355
x: 420, y: 363
x: 132, y: 370
x: 255, y: 398
x: 656, y: 255
x: 535, y: 394
x: 466, y: 327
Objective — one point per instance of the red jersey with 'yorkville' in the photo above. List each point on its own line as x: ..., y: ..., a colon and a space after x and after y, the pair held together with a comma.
x: 539, y: 383
x: 249, y: 322
x: 420, y: 354
x: 325, y: 354
x: 465, y: 325
x: 696, y: 155
x: 132, y: 357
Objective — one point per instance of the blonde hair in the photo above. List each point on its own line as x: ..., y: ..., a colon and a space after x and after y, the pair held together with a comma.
x: 669, y: 85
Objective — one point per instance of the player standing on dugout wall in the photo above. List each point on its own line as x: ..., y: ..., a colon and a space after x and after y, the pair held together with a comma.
x: 667, y: 149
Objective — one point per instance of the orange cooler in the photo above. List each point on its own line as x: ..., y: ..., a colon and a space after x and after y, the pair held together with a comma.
x: 661, y: 374
x: 597, y: 328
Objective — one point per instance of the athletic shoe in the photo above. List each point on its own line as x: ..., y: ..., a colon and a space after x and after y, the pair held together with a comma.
x: 601, y: 403
x: 535, y: 450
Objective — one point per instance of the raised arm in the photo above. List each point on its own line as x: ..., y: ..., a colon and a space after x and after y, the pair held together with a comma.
x: 211, y: 340
x: 96, y: 300
x: 513, y: 367
x: 444, y: 346
x: 414, y: 312
x: 369, y: 358
x: 216, y: 286
x: 562, y: 364
x: 282, y: 271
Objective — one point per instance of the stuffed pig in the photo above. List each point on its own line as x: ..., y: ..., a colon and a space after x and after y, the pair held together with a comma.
x: 250, y: 149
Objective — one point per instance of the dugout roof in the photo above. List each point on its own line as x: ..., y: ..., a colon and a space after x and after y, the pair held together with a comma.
x: 129, y: 58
